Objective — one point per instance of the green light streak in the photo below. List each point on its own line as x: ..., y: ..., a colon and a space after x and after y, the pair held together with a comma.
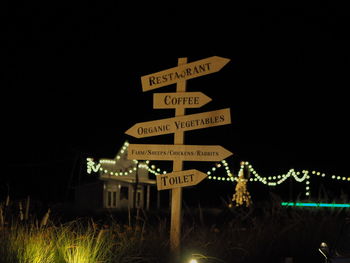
x: 314, y: 204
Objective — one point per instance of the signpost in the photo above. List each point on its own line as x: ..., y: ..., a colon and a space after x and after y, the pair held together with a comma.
x: 181, y: 123
x: 178, y: 152
x: 183, y: 72
x: 180, y: 99
x: 171, y: 152
x: 179, y: 179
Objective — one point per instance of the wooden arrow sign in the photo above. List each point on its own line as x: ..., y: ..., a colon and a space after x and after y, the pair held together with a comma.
x: 181, y: 123
x: 179, y: 100
x: 173, y: 152
x: 179, y: 179
x: 183, y: 72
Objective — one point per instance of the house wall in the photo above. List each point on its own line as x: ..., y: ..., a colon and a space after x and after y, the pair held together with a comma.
x: 120, y: 195
x: 112, y: 194
x: 115, y: 193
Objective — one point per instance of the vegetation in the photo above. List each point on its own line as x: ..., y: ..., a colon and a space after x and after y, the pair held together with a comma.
x: 265, y: 232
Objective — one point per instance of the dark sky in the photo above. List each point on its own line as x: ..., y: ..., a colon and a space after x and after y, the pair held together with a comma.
x: 71, y: 81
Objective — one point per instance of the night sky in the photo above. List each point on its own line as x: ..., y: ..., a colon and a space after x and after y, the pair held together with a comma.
x: 71, y: 83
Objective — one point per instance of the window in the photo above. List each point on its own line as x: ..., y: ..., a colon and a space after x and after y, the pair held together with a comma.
x: 138, y: 199
x: 111, y: 199
x: 124, y: 193
x: 114, y: 199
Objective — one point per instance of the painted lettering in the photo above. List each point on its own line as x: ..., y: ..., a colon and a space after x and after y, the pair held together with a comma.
x: 153, y: 129
x: 169, y: 100
x: 151, y: 80
x: 190, y: 71
x: 164, y: 180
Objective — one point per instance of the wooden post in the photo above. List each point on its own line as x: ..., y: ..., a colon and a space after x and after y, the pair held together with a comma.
x: 182, y: 100
x: 136, y: 186
x: 148, y: 196
x: 176, y: 193
x: 158, y: 200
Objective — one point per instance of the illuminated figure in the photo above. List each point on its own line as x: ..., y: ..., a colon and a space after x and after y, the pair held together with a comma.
x: 241, y: 195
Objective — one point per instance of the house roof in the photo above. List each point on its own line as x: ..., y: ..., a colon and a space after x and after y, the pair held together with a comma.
x: 123, y: 170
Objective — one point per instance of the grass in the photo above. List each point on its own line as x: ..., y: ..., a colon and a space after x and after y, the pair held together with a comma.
x: 76, y: 243
x: 266, y: 232
x: 24, y: 244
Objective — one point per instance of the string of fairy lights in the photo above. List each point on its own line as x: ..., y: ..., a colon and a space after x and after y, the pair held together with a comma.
x: 271, y: 181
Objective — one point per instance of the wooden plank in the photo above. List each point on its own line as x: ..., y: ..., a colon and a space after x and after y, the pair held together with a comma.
x: 180, y: 123
x: 179, y: 100
x: 176, y: 194
x: 170, y: 152
x: 183, y: 72
x: 179, y: 179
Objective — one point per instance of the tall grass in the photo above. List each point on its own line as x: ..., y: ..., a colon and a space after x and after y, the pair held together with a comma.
x: 70, y: 243
x: 76, y: 244
x: 79, y: 241
x: 265, y: 232
x: 25, y: 244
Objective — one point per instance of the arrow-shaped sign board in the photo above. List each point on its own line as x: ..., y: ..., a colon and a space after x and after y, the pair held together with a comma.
x: 183, y: 72
x: 179, y: 179
x: 179, y: 100
x: 181, y: 123
x: 173, y: 152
